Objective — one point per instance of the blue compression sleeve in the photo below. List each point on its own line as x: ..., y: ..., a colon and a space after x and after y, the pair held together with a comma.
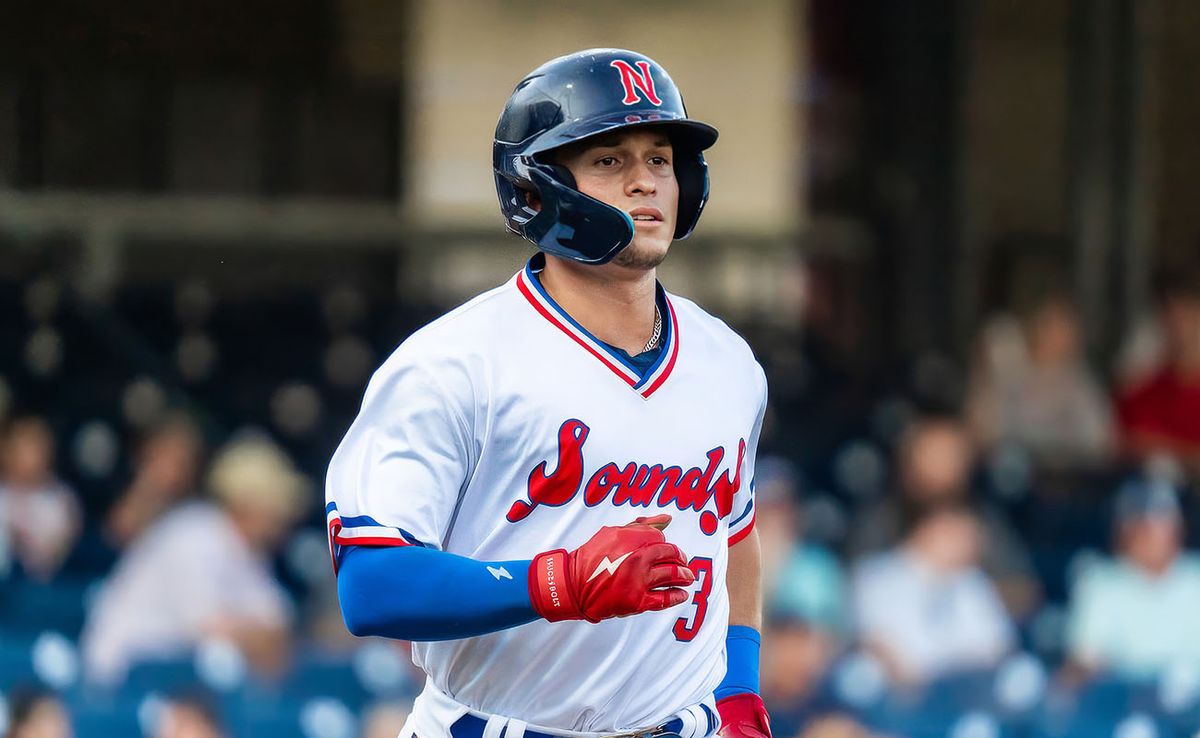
x: 741, y: 662
x: 421, y: 594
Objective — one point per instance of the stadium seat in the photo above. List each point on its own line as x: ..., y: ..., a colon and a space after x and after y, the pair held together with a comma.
x: 315, y: 676
x: 315, y: 718
x: 16, y: 662
x: 30, y: 607
x: 49, y: 659
x: 161, y: 676
x: 94, y: 722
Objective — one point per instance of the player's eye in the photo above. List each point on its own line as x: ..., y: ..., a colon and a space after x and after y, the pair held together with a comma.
x: 659, y: 161
x: 607, y: 161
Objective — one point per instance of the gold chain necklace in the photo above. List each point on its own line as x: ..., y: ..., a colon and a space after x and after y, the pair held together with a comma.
x: 657, y: 331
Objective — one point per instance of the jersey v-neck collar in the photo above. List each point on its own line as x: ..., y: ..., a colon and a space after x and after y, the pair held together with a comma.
x: 644, y: 383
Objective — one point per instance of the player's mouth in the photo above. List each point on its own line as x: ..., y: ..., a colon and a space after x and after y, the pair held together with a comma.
x: 645, y: 217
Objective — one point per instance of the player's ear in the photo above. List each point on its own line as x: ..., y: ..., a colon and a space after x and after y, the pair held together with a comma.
x: 532, y: 200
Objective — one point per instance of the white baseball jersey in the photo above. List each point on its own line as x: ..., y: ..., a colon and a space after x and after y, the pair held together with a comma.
x: 504, y: 429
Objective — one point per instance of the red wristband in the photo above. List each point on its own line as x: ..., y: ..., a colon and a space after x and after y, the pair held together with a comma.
x: 744, y: 716
x: 548, y: 587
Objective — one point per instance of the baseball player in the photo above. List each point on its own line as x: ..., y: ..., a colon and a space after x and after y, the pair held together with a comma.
x: 550, y: 489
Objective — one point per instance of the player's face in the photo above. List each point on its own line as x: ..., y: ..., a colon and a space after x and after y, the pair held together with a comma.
x: 634, y: 171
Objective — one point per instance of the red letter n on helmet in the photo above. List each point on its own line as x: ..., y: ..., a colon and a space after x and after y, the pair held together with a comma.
x: 635, y: 80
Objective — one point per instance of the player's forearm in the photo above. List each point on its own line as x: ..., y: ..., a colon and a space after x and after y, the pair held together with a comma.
x: 744, y: 582
x: 420, y: 594
x: 745, y: 618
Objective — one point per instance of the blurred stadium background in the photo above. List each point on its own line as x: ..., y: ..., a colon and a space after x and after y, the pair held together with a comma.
x: 962, y: 238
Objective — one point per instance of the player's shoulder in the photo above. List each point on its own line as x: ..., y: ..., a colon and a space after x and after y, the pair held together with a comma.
x: 468, y: 326
x: 712, y: 334
x: 478, y: 314
x: 452, y: 350
x: 698, y: 321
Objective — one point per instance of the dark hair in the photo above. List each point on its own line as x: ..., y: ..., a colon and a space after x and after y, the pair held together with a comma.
x: 917, y: 515
x: 21, y: 421
x: 1038, y: 307
x: 1177, y: 281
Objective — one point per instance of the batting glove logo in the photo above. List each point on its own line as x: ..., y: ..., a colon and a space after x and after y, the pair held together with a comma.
x: 608, y: 566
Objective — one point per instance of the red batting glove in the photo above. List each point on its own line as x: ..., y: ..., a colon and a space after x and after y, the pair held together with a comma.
x: 744, y: 716
x: 618, y: 572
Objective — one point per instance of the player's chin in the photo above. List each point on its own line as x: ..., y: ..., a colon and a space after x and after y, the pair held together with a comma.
x: 647, y: 251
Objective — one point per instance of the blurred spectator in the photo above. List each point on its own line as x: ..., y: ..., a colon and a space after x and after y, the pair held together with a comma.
x: 1031, y: 386
x: 384, y: 720
x: 933, y: 467
x: 1159, y: 412
x: 322, y: 616
x: 801, y: 580
x: 804, y: 592
x: 165, y: 470
x: 37, y: 713
x: 39, y: 515
x: 203, y: 571
x: 189, y: 717
x: 834, y: 726
x: 794, y: 663
x: 926, y: 608
x: 1136, y: 614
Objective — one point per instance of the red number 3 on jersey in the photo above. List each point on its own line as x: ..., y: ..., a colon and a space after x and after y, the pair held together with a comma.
x: 701, y: 566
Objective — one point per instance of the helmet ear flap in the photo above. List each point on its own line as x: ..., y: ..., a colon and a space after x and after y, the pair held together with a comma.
x: 563, y: 175
x: 567, y: 215
x: 691, y: 172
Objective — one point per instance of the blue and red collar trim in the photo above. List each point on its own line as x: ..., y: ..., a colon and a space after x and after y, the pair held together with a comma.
x: 644, y: 383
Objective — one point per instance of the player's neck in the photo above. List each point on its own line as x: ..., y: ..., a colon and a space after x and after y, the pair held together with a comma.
x: 614, y: 303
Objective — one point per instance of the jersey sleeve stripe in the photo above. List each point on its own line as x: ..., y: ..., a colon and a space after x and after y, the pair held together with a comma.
x: 361, y: 534
x: 735, y: 538
x: 362, y: 530
x: 744, y: 513
x: 358, y: 521
x: 364, y: 526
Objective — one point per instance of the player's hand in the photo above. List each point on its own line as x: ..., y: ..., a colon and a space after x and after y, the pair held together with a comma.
x: 619, y: 571
x: 744, y: 716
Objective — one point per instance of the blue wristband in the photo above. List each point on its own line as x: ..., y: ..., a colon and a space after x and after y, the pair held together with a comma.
x: 741, y: 662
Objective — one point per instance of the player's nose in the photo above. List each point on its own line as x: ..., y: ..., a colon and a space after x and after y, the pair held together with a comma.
x: 640, y: 180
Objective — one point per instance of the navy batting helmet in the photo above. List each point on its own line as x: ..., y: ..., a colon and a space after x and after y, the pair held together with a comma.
x: 572, y: 98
